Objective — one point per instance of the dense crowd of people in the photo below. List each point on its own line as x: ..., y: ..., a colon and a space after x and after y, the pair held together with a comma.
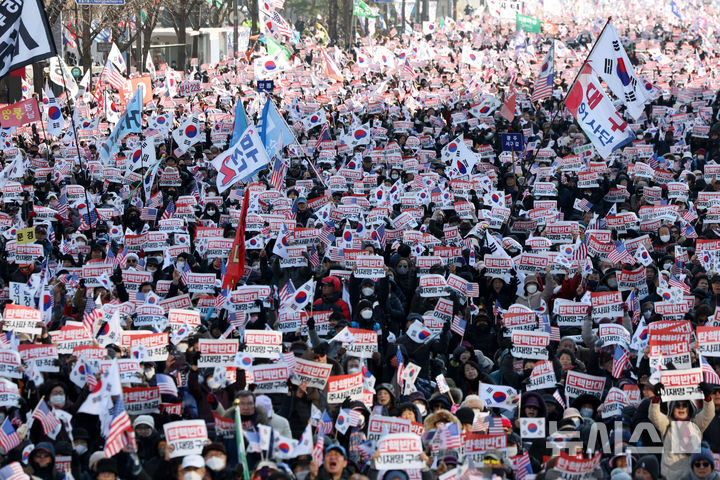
x: 532, y: 308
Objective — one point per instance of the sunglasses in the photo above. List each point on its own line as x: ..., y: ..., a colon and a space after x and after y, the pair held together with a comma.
x: 701, y: 464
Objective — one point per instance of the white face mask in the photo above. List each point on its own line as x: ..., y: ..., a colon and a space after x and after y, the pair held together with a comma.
x: 664, y: 238
x: 354, y: 370
x: 57, y: 400
x: 367, y: 291
x: 512, y: 451
x: 182, y: 347
x: 212, y: 383
x: 215, y: 463
x: 366, y: 314
x: 179, y: 265
x: 421, y: 407
x: 191, y: 475
x: 532, y: 288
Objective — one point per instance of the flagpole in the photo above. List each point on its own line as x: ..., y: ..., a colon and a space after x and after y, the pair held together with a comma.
x: 240, y: 441
x: 587, y: 57
x: 77, y: 148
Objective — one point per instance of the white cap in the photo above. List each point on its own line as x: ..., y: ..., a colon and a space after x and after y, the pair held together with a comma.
x: 193, y: 461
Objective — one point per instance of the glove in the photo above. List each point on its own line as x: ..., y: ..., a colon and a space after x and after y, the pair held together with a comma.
x: 311, y: 323
x: 446, y: 327
x: 706, y: 389
x: 658, y: 389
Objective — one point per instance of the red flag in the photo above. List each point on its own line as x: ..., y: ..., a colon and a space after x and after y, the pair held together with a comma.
x: 508, y: 108
x: 236, y: 262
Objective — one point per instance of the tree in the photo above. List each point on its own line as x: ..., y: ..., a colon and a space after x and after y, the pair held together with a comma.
x: 179, y: 13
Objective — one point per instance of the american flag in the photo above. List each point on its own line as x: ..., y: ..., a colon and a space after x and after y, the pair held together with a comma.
x: 166, y: 384
x: 400, y: 367
x: 473, y: 289
x: 495, y: 426
x: 13, y: 471
x: 185, y: 277
x: 317, y: 451
x: 621, y: 361
x: 688, y: 230
x: 121, y: 259
x: 449, y: 436
x: 558, y: 397
x: 326, y: 424
x: 653, y: 161
x: 458, y: 326
x: 355, y: 417
x: 580, y: 251
x: 584, y: 205
x: 521, y: 466
x: 326, y: 234
x: 279, y: 5
x: 51, y: 234
x: 691, y: 213
x: 112, y: 74
x: 497, y: 311
x: 63, y: 206
x: 314, y: 257
x: 286, y: 292
x: 284, y: 27
x: 544, y: 82
x: 619, y: 254
x: 677, y: 283
x: 633, y: 304
x: 169, y: 210
x: 121, y: 432
x: 156, y: 200
x: 220, y: 299
x: 47, y: 418
x: 89, y: 220
x: 278, y: 174
x: 407, y: 68
x: 91, y: 316
x: 324, y: 135
x: 9, y: 439
x: 90, y: 377
x: 709, y: 372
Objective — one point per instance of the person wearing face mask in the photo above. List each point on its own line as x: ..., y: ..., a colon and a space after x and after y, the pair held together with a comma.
x: 365, y: 315
x: 664, y: 240
x: 532, y: 294
x: 193, y: 468
x: 211, y: 213
x: 277, y: 422
x: 215, y: 456
x: 146, y: 436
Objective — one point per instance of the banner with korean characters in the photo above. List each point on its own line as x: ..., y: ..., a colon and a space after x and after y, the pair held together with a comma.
x: 708, y: 341
x: 219, y: 248
x: 92, y: 272
x: 340, y: 387
x: 315, y: 374
x: 243, y: 298
x: 21, y: 319
x: 577, y: 384
x: 433, y: 285
x: 380, y: 425
x: 10, y: 364
x: 149, y: 315
x: 132, y: 279
x: 155, y: 343
x: 28, y: 253
x: 268, y: 378
x: 201, y: 282
x: 217, y: 353
x: 365, y: 344
x: 532, y: 345
x: 69, y: 337
x: 519, y: 317
x: 542, y: 376
x: 569, y: 313
x: 9, y: 393
x: 44, y: 357
x: 369, y: 266
x: 177, y: 317
x: 682, y: 384
x: 185, y: 437
x: 224, y: 427
x: 497, y: 266
x: 128, y: 368
x: 606, y: 305
x: 141, y: 400
x: 399, y: 451
x: 476, y: 445
x: 614, y: 334
x: 263, y: 343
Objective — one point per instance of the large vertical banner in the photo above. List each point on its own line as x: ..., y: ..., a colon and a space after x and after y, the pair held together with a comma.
x: 25, y: 35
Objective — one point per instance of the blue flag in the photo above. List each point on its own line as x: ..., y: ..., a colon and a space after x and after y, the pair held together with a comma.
x: 241, y: 123
x: 130, y: 122
x: 274, y: 132
x: 675, y: 10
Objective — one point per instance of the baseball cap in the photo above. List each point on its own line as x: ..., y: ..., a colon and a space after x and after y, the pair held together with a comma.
x: 193, y: 461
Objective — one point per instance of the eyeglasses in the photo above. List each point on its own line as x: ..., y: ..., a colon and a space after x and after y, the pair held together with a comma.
x: 491, y: 461
x: 701, y: 464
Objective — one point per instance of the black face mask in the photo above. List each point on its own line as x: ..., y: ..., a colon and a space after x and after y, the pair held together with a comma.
x: 592, y: 285
x: 483, y: 328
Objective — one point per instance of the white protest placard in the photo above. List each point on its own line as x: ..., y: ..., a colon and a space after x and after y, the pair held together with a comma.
x: 217, y: 353
x: 613, y: 334
x: 497, y: 266
x: 577, y: 384
x: 92, y: 272
x: 10, y: 364
x: 155, y: 343
x: 365, y: 344
x: 132, y: 279
x: 268, y: 378
x: 224, y: 427
x: 316, y: 374
x: 177, y: 317
x: 44, y: 357
x: 340, y: 387
x: 606, y: 305
x: 9, y: 393
x: 185, y: 437
x: 476, y: 445
x: 141, y: 400
x: 69, y: 337
x: 542, y: 376
x: 682, y: 384
x: 369, y: 266
x: 188, y: 88
x: 569, y: 313
x: 615, y: 401
x: 380, y: 425
x: 519, y: 317
x: 399, y: 451
x: 708, y: 341
x: 531, y: 345
x: 263, y: 343
x: 433, y: 285
x: 28, y: 253
x: 201, y: 282
x: 22, y: 319
x: 148, y: 315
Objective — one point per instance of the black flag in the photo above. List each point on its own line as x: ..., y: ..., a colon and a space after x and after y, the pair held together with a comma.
x: 25, y: 35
